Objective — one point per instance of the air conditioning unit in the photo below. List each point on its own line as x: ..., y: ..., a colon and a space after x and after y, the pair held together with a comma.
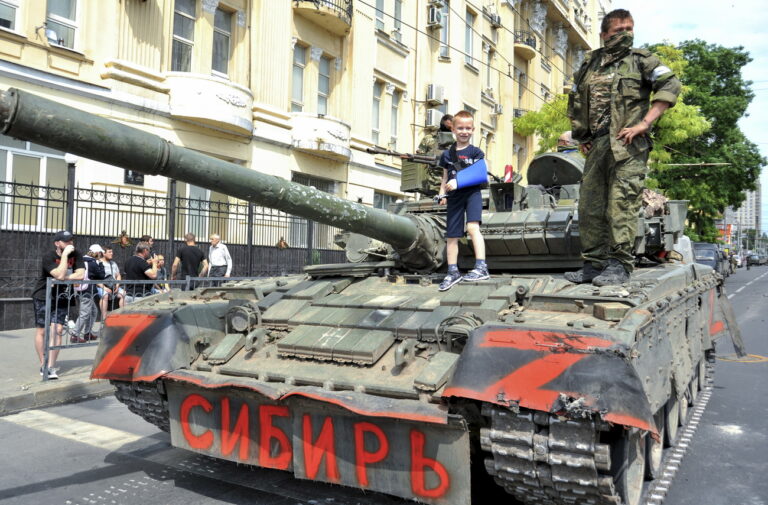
x: 435, y: 94
x: 433, y: 119
x: 495, y: 20
x: 497, y: 109
x: 436, y: 3
x: 434, y: 18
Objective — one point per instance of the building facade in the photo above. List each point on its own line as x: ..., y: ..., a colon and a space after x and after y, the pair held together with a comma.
x: 298, y: 89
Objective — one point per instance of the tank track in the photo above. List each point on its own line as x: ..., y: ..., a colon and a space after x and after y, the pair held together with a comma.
x: 542, y: 459
x: 144, y: 399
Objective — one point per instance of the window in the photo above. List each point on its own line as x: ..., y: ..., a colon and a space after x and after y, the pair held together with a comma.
x: 488, y: 69
x: 184, y: 16
x: 468, y: 38
x: 8, y: 10
x: 445, y: 30
x: 61, y: 23
x: 377, y: 89
x: 398, y: 32
x: 383, y: 200
x: 39, y: 203
x: 379, y: 14
x: 297, y: 84
x: 320, y: 236
x: 222, y: 36
x: 472, y: 111
x: 323, y: 85
x: 396, y: 95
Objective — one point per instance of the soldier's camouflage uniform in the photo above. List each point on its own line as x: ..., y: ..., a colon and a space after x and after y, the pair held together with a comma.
x: 431, y: 145
x: 610, y: 94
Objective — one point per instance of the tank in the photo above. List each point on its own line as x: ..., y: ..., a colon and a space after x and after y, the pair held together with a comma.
x: 363, y: 374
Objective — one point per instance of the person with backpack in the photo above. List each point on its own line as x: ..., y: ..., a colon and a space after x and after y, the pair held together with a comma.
x: 86, y: 294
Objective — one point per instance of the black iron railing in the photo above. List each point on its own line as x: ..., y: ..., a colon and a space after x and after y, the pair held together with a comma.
x: 527, y: 38
x: 342, y: 7
x: 262, y: 241
x: 520, y: 112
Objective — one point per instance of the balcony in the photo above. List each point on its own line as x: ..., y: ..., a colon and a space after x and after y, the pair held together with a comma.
x: 520, y: 112
x: 210, y: 100
x: 320, y: 135
x: 333, y: 15
x: 525, y: 44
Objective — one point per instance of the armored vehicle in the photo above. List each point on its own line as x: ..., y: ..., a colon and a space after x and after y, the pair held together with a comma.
x: 364, y: 375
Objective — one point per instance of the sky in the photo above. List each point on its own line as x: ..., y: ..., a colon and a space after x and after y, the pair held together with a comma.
x: 729, y: 23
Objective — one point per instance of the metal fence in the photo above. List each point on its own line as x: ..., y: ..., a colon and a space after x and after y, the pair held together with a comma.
x: 75, y: 311
x: 262, y: 241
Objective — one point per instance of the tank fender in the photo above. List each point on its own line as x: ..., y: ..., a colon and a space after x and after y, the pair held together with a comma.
x: 575, y: 373
x: 141, y: 347
x: 725, y: 320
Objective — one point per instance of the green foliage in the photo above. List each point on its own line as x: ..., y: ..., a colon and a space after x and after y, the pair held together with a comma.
x: 548, y: 123
x: 713, y: 86
x: 683, y: 121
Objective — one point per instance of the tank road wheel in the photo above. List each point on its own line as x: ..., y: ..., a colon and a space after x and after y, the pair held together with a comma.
x: 653, y: 449
x: 693, y: 388
x: 628, y: 466
x: 702, y: 376
x: 684, y: 403
x: 671, y: 420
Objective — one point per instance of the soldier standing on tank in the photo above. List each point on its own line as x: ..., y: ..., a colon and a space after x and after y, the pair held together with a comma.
x: 433, y: 145
x: 610, y: 118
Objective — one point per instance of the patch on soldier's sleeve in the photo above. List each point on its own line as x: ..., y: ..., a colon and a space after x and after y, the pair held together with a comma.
x: 659, y: 71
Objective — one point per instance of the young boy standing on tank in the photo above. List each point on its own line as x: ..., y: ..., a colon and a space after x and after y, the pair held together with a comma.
x: 462, y: 202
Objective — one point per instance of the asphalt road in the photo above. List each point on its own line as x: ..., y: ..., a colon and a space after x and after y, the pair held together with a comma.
x: 96, y: 452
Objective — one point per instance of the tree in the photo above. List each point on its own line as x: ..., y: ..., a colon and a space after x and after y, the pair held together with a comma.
x: 548, y: 123
x: 713, y: 83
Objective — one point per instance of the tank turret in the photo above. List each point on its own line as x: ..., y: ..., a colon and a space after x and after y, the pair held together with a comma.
x: 525, y: 228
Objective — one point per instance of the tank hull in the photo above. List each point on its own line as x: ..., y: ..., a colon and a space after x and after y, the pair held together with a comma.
x: 331, y: 357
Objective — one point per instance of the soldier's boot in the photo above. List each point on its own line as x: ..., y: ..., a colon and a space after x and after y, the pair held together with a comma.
x: 614, y: 274
x: 583, y: 275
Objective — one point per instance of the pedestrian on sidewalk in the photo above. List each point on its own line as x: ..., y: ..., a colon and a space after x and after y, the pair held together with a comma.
x: 162, y: 285
x: 62, y: 263
x: 140, y: 267
x: 94, y: 270
x: 219, y: 259
x: 190, y: 260
x: 110, y: 292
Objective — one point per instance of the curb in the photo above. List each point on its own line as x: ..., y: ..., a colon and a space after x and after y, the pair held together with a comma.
x: 67, y: 392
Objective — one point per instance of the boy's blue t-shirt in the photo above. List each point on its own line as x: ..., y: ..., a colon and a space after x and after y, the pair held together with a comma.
x: 466, y: 157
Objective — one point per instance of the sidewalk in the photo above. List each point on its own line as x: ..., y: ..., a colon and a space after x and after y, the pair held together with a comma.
x: 21, y: 386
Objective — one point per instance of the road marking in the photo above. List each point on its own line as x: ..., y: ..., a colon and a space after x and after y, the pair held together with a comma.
x: 747, y: 284
x: 749, y: 358
x: 80, y: 431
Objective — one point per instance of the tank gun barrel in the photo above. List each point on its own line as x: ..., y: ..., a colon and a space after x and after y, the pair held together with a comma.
x: 418, y: 158
x: 45, y: 122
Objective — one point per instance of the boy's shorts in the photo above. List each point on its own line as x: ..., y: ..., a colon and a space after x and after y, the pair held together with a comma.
x: 467, y: 201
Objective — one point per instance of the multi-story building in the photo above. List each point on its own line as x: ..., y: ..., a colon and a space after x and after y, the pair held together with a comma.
x: 746, y: 217
x: 298, y: 89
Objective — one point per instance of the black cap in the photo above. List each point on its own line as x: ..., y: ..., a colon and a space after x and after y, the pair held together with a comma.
x: 63, y: 236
